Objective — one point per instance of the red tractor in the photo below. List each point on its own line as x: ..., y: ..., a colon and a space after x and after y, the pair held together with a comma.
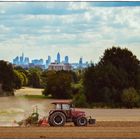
x: 65, y: 112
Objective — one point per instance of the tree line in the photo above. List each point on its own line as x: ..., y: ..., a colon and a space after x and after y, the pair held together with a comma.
x: 113, y: 82
x: 12, y: 78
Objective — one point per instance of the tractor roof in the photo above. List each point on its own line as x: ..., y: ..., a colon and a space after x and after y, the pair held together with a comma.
x: 62, y: 102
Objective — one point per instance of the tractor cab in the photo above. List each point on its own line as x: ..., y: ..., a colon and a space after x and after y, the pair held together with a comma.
x: 67, y: 108
x: 63, y: 105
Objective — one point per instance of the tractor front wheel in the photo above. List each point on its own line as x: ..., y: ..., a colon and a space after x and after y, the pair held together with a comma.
x: 81, y: 121
x: 57, y: 119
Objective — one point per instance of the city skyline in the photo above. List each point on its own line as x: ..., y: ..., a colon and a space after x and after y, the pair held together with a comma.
x: 59, y: 62
x: 23, y: 58
x: 78, y: 29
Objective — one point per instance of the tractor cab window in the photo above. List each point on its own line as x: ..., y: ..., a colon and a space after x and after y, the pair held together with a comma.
x: 72, y: 106
x: 66, y: 106
x: 58, y: 106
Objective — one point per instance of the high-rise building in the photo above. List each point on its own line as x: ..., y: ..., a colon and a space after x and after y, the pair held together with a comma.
x: 41, y: 62
x: 26, y: 61
x: 21, y: 59
x: 49, y: 59
x: 58, y: 57
x: 81, y: 61
x: 47, y: 62
x: 66, y: 59
x: 37, y: 61
x: 16, y: 61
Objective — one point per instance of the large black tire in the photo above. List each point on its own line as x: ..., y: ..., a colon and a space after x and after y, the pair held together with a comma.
x: 57, y: 119
x: 49, y: 121
x: 81, y: 121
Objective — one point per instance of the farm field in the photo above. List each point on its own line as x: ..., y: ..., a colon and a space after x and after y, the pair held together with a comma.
x: 100, y: 130
x: 111, y: 123
x: 28, y: 91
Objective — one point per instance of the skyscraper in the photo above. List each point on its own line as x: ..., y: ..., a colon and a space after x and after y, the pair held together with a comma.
x: 58, y: 57
x: 16, y: 60
x: 22, y: 58
x: 49, y: 59
x: 37, y: 61
x: 81, y: 61
x: 41, y: 61
x: 26, y: 61
x: 66, y: 59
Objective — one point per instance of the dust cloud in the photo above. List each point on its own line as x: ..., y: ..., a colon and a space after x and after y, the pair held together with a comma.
x: 18, y: 108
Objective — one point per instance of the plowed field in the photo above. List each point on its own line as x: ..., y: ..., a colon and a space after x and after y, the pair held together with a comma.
x: 100, y: 130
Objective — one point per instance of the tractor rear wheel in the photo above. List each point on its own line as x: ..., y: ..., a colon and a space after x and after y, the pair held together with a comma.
x: 57, y: 119
x: 49, y: 121
x: 81, y: 121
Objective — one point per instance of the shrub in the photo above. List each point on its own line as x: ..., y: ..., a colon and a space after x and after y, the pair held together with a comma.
x: 80, y: 99
x: 130, y: 98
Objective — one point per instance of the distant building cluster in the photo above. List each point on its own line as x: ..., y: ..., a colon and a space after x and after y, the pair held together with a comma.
x: 48, y: 64
x: 60, y: 66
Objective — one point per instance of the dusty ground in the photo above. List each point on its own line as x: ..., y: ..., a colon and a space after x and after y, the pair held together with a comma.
x: 100, y: 130
x: 111, y: 123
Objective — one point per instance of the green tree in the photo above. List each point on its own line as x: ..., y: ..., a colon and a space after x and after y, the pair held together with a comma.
x: 25, y: 79
x: 18, y: 79
x: 130, y: 98
x: 58, y: 84
x: 117, y: 70
x: 79, y: 99
x: 24, y: 73
x: 123, y: 60
x: 36, y: 70
x: 34, y: 77
x: 7, y: 76
x: 43, y: 77
x: 20, y: 69
x: 99, y: 83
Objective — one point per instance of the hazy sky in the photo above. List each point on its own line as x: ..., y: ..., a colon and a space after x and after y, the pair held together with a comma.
x: 76, y: 29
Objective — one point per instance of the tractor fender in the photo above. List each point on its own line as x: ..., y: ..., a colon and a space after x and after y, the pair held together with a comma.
x: 77, y: 115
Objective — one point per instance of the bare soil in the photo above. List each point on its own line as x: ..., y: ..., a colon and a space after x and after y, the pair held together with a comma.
x: 100, y: 130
